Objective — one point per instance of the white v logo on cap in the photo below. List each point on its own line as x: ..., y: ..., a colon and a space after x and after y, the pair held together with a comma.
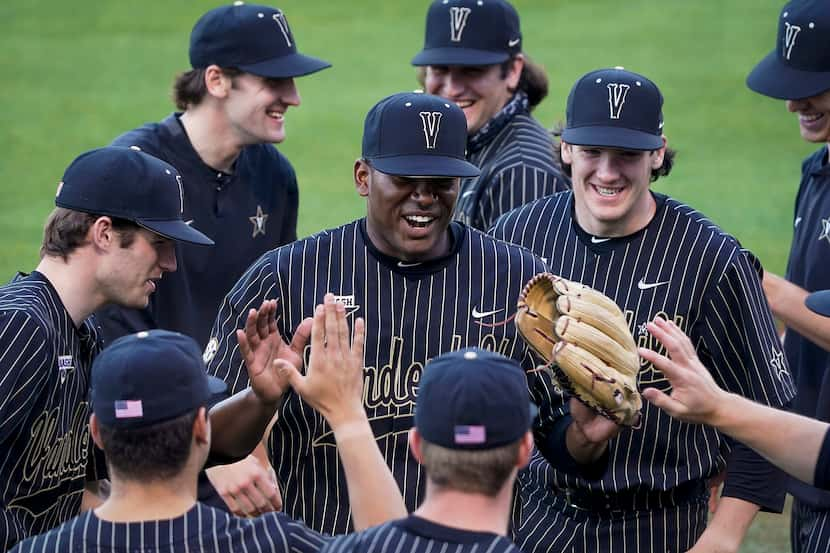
x: 789, y: 38
x: 616, y: 98
x: 283, y: 25
x: 458, y: 20
x: 432, y: 124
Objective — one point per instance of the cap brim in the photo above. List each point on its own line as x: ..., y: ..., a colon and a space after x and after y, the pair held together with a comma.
x: 292, y: 65
x: 458, y: 56
x: 778, y: 80
x: 425, y: 166
x: 612, y: 137
x: 176, y: 230
x: 819, y: 302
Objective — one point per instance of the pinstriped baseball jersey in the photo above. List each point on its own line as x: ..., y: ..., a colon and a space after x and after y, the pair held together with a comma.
x: 44, y: 380
x: 684, y: 268
x: 515, y: 155
x: 413, y: 312
x: 202, y: 529
x: 418, y: 535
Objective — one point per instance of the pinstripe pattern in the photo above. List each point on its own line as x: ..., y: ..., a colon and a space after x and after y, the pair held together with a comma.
x: 417, y: 535
x: 412, y: 314
x: 202, y: 529
x: 809, y: 528
x: 517, y: 167
x: 44, y: 443
x: 694, y: 274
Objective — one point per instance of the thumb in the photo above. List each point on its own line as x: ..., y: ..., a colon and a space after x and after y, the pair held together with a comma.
x: 289, y: 372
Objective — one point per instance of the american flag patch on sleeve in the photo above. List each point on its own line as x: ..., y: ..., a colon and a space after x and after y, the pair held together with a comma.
x: 470, y: 434
x: 128, y: 409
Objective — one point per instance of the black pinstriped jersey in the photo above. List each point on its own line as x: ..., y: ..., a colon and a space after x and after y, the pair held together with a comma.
x: 418, y: 535
x: 413, y: 312
x: 44, y: 382
x: 684, y: 268
x: 202, y: 529
x: 515, y: 155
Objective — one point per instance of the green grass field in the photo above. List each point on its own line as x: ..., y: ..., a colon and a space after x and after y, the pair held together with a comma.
x: 76, y: 74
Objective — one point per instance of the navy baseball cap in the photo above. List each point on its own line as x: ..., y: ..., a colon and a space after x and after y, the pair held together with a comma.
x: 470, y: 32
x: 253, y: 38
x: 615, y: 108
x: 150, y: 377
x: 128, y: 184
x: 473, y: 399
x: 799, y: 67
x: 417, y: 134
x: 819, y: 302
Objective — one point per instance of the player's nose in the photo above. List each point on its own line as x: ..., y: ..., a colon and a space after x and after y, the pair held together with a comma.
x: 289, y: 94
x: 167, y: 256
x: 797, y: 105
x: 607, y: 170
x: 423, y: 193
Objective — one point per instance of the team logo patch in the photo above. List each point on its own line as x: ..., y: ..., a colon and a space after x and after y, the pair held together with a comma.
x: 65, y: 366
x: 348, y: 302
x: 825, y: 230
x: 258, y: 221
x: 210, y: 350
x: 458, y: 20
x: 790, y: 34
x: 616, y: 98
x: 282, y: 23
x: 431, y: 121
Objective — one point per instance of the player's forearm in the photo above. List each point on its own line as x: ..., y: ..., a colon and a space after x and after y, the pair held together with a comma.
x: 773, y: 433
x: 239, y: 423
x: 787, y: 303
x: 728, y: 526
x: 374, y: 495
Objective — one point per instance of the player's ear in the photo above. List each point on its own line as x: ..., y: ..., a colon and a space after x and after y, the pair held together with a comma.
x: 657, y: 159
x: 514, y: 74
x: 95, y: 431
x: 217, y: 82
x: 362, y: 172
x: 415, y: 442
x: 567, y: 153
x: 201, y: 427
x: 102, y: 234
x: 525, y: 450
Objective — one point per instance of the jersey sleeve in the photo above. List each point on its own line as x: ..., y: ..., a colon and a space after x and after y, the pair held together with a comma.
x: 222, y: 354
x: 738, y: 337
x: 24, y: 354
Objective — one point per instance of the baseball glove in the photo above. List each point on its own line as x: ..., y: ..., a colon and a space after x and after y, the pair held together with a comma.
x: 584, y: 337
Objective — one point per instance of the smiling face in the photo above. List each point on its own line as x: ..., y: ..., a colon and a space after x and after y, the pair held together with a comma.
x: 481, y: 91
x: 128, y: 275
x: 611, y: 187
x: 407, y: 217
x: 813, y: 116
x: 255, y: 108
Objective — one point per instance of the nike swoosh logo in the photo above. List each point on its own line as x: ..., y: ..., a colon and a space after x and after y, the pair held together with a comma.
x: 595, y: 240
x: 797, y: 220
x: 642, y: 285
x: 479, y: 314
x: 405, y: 265
x: 512, y: 43
x: 188, y: 222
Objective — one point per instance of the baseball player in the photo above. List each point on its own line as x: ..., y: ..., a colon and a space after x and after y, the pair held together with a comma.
x: 149, y: 392
x: 109, y: 241
x: 236, y: 186
x: 472, y: 435
x: 473, y: 56
x: 696, y: 398
x: 424, y: 284
x: 654, y: 257
x: 798, y: 71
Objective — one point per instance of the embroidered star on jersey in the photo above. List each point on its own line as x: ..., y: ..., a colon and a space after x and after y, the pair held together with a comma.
x: 258, y: 221
x: 825, y: 230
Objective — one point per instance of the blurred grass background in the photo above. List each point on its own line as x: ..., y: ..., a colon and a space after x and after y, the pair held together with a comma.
x: 76, y: 74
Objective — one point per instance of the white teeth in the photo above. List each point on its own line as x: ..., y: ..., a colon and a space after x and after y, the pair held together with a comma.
x: 464, y: 103
x: 419, y: 220
x: 275, y: 114
x: 607, y: 191
x: 810, y: 118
